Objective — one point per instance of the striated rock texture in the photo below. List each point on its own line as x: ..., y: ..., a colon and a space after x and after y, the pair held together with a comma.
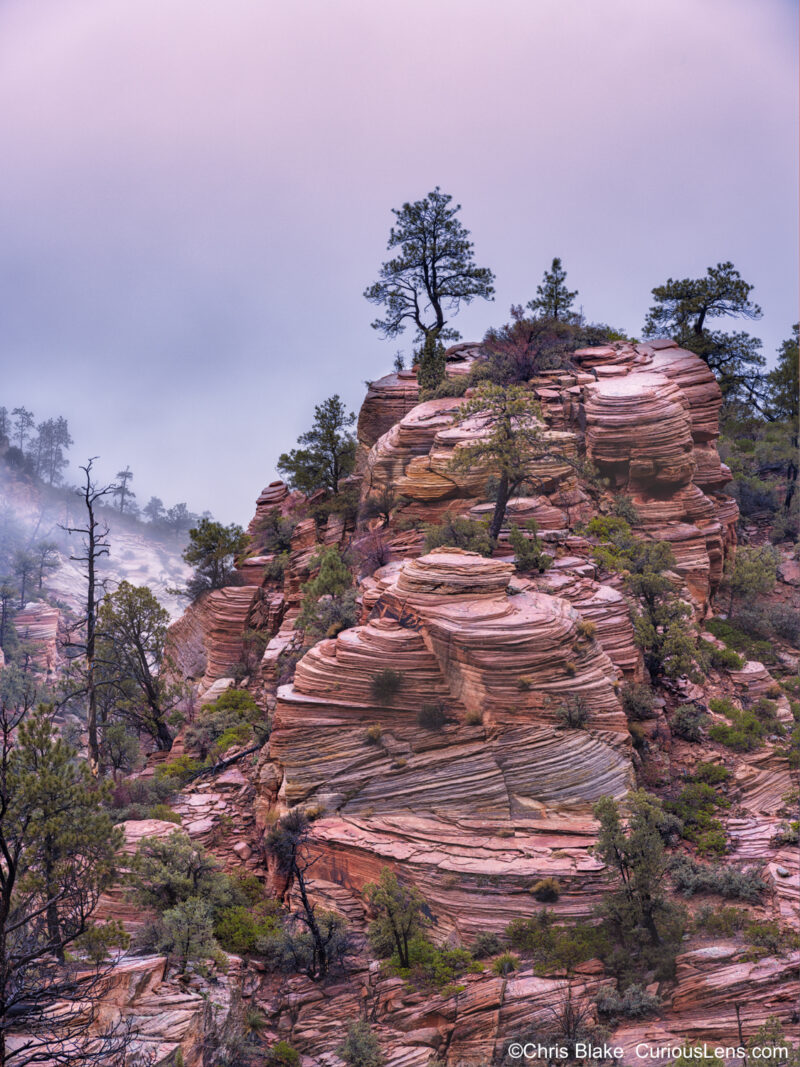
x: 37, y: 629
x: 498, y: 669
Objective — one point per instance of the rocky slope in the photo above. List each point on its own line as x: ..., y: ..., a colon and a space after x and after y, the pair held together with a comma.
x: 500, y: 793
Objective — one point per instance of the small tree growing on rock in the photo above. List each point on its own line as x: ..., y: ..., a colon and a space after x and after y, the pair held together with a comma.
x: 553, y: 299
x: 510, y: 444
x: 401, y: 915
x: 212, y: 551
x: 327, y: 451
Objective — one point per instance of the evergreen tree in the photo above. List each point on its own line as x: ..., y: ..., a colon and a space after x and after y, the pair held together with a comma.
x: 682, y: 309
x: 154, y: 509
x: 47, y: 559
x: 132, y: 663
x: 25, y: 570
x: 212, y: 551
x: 751, y: 572
x: 638, y: 908
x: 23, y: 424
x: 327, y: 452
x: 553, y: 299
x: 57, y: 855
x: 432, y: 274
x: 513, y: 445
x: 121, y: 490
x: 783, y: 383
x: 400, y: 914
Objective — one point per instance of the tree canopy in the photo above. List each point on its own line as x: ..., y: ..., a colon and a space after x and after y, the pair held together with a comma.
x: 682, y: 309
x: 553, y: 299
x: 212, y: 551
x: 132, y: 634
x: 327, y: 453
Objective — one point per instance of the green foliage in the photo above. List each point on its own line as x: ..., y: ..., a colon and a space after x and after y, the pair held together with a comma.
x: 166, y: 871
x: 507, y: 963
x: 724, y: 659
x: 213, y: 550
x: 771, y: 1034
x: 662, y: 628
x: 637, y: 701
x: 690, y: 877
x: 695, y: 806
x: 513, y: 447
x: 433, y: 272
x: 360, y: 1048
x: 750, y: 573
x: 282, y: 1055
x: 573, y: 714
x: 470, y: 534
x: 747, y: 729
x: 232, y: 718
x: 485, y: 944
x: 186, y: 932
x: 242, y: 928
x: 385, y: 685
x: 737, y: 638
x: 624, y: 508
x: 164, y: 813
x: 721, y: 922
x: 133, y: 669
x: 431, y: 366
x: 329, y: 600
x: 432, y: 717
x: 546, y: 890
x: 769, y: 938
x: 431, y: 966
x: 555, y: 947
x: 553, y: 300
x: 400, y: 916
x: 783, y: 383
x: 273, y: 532
x: 634, y: 1003
x: 327, y: 451
x: 119, y: 748
x: 711, y: 773
x: 683, y: 307
x: 526, y: 347
x: 637, y: 913
x: 528, y: 554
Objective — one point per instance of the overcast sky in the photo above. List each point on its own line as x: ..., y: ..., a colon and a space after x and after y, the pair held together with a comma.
x: 194, y: 195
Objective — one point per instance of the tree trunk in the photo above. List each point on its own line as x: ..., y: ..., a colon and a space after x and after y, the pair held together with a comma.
x: 503, y: 495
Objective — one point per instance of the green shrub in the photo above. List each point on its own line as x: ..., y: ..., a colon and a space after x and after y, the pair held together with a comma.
x: 624, y: 508
x: 282, y: 1055
x: 637, y: 701
x: 229, y: 720
x: 725, y: 659
x: 486, y: 944
x: 505, y: 964
x: 721, y: 922
x: 456, y: 386
x: 690, y: 877
x: 547, y: 890
x: 360, y: 1048
x: 769, y: 939
x: 695, y: 806
x: 164, y: 812
x: 177, y: 772
x: 373, y: 733
x: 432, y: 717
x: 432, y: 966
x: 529, y: 556
x: 385, y: 685
x: 573, y: 714
x: 787, y: 834
x: 711, y: 773
x: 785, y: 621
x: 638, y: 736
x: 634, y: 1003
x: 239, y: 928
x: 469, y: 534
x: 554, y: 946
x: 687, y: 722
x: 736, y: 638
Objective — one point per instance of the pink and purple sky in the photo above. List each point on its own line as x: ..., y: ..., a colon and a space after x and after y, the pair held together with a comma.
x: 194, y: 195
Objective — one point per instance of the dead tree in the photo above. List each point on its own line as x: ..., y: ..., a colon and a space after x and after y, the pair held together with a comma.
x: 94, y: 546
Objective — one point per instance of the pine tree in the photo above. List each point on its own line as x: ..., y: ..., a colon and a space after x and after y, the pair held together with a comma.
x: 431, y: 276
x: 553, y: 299
x: 327, y: 452
x: 57, y: 855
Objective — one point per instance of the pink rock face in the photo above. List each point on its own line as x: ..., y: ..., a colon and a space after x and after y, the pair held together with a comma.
x: 37, y: 626
x: 500, y: 668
